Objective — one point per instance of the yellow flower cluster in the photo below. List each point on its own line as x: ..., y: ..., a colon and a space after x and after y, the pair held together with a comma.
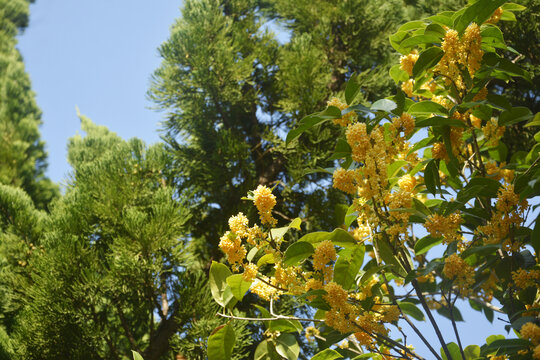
x: 509, y: 213
x: 324, y: 254
x: 407, y: 87
x: 438, y: 151
x: 263, y: 290
x: 498, y: 172
x: 458, y: 270
x: 401, y: 199
x: 465, y: 51
x: 265, y: 201
x: 407, y: 183
x: 495, y: 17
x: 471, y: 53
x: 344, y: 180
x: 250, y: 272
x: 231, y: 245
x: 347, y: 118
x: 531, y: 331
x: 446, y: 227
x: 404, y: 123
x: 407, y: 62
x: 239, y: 224
x: 536, y: 352
x: 287, y: 278
x: 523, y: 278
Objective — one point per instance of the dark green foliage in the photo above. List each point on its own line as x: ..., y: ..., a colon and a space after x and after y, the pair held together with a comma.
x: 114, y: 275
x: 22, y: 154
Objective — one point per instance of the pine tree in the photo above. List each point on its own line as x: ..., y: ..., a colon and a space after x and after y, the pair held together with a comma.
x: 24, y: 189
x: 114, y: 275
x: 22, y: 154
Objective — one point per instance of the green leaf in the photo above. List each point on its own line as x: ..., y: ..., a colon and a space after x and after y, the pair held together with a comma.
x: 327, y: 354
x: 284, y: 326
x: 398, y: 74
x: 338, y: 237
x: 478, y: 12
x: 440, y: 121
x: 427, y: 107
x: 266, y: 351
x: 431, y: 177
x: 411, y: 310
x: 499, y: 101
x: 426, y: 243
x: 442, y: 20
x: 287, y: 346
x: 136, y: 355
x: 372, y: 271
x: 427, y: 59
x: 352, y: 89
x: 347, y: 266
x: 505, y: 346
x: 295, y: 224
x: 309, y: 121
x: 266, y: 259
x: 384, y: 105
x: 515, y: 115
x: 455, y: 353
x: 472, y: 352
x: 411, y: 42
x: 238, y: 286
x: 221, y: 292
x: 444, y: 311
x: 221, y: 343
x: 394, y: 167
x: 505, y: 65
x: 388, y: 256
x: 297, y: 252
x: 411, y: 25
x: 278, y: 233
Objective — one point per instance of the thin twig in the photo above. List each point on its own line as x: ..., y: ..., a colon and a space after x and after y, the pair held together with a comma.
x: 277, y: 317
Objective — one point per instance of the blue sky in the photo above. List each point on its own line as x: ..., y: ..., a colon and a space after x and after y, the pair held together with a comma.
x: 99, y: 55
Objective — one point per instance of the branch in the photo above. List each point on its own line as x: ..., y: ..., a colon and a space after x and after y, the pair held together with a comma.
x: 431, y: 319
x: 277, y: 317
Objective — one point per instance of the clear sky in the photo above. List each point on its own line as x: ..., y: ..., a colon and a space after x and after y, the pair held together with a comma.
x: 97, y: 55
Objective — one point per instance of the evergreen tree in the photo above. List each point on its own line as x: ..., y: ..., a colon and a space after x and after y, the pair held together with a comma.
x: 114, y: 275
x: 24, y: 189
x: 22, y: 154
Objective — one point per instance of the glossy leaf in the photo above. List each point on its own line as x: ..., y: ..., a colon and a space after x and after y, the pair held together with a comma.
x: 453, y: 349
x: 327, y: 354
x: 338, y: 237
x: 384, y: 105
x: 352, y: 89
x: 427, y: 59
x: 136, y: 355
x: 298, y: 252
x: 427, y: 107
x: 238, y: 285
x: 411, y: 310
x: 424, y: 244
x: 266, y: 351
x: 347, y: 266
x: 478, y: 12
x: 221, y: 343
x: 431, y: 177
x: 221, y: 292
x: 287, y: 346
